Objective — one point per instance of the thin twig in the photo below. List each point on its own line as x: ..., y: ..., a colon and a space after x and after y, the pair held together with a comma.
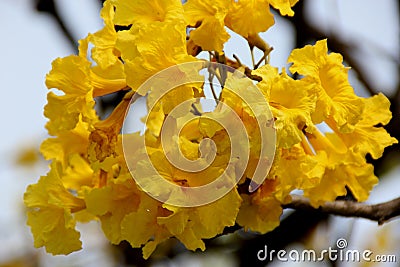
x: 266, y: 54
x: 211, y: 75
x: 195, y: 110
x: 237, y: 59
x: 48, y: 6
x: 381, y: 212
x: 213, y: 92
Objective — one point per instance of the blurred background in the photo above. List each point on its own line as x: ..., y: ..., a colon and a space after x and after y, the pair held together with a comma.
x: 35, y: 32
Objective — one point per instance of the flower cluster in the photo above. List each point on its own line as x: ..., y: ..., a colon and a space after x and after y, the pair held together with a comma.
x: 90, y: 180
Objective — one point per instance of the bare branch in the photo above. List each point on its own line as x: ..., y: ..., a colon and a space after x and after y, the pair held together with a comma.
x: 381, y: 212
x: 48, y: 6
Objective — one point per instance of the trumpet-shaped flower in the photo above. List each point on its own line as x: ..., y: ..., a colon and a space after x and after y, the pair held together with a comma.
x: 325, y: 71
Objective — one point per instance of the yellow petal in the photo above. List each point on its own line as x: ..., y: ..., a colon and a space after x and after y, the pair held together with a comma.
x: 176, y: 222
x: 259, y: 215
x: 293, y: 169
x: 284, y: 6
x: 108, y: 75
x: 336, y: 97
x: 292, y: 102
x: 370, y: 140
x: 78, y: 173
x: 210, y: 27
x: 108, y: 80
x: 249, y: 17
x: 111, y: 204
x: 368, y: 136
x: 156, y: 48
x: 343, y: 171
x: 70, y: 142
x: 214, y: 217
x: 145, y: 12
x: 69, y: 75
x: 50, y: 208
x: 56, y: 236
x: 103, y: 52
x: 210, y: 16
x: 361, y: 181
x: 268, y: 75
x: 377, y: 111
x: 139, y: 226
x: 191, y: 225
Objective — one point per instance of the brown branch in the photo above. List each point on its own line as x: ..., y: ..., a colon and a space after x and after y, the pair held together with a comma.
x: 298, y: 224
x: 48, y: 6
x: 381, y: 212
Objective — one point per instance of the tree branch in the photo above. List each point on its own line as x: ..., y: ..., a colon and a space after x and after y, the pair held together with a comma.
x: 381, y: 212
x: 48, y: 6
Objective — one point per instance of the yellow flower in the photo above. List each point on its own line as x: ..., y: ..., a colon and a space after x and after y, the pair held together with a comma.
x: 74, y: 76
x: 292, y: 103
x: 294, y: 169
x: 251, y: 106
x: 168, y: 101
x: 284, y: 6
x: 78, y: 174
x: 108, y: 80
x: 188, y: 143
x: 260, y: 211
x: 370, y: 138
x: 357, y: 176
x: 66, y: 143
x: 250, y: 17
x: 104, y: 52
x: 103, y: 138
x: 50, y: 207
x: 208, y: 18
x: 69, y: 75
x: 191, y: 225
x: 143, y: 12
x: 112, y: 203
x: 107, y: 76
x: 343, y: 169
x: 142, y: 226
x: 156, y: 47
x: 336, y: 97
x: 268, y: 75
